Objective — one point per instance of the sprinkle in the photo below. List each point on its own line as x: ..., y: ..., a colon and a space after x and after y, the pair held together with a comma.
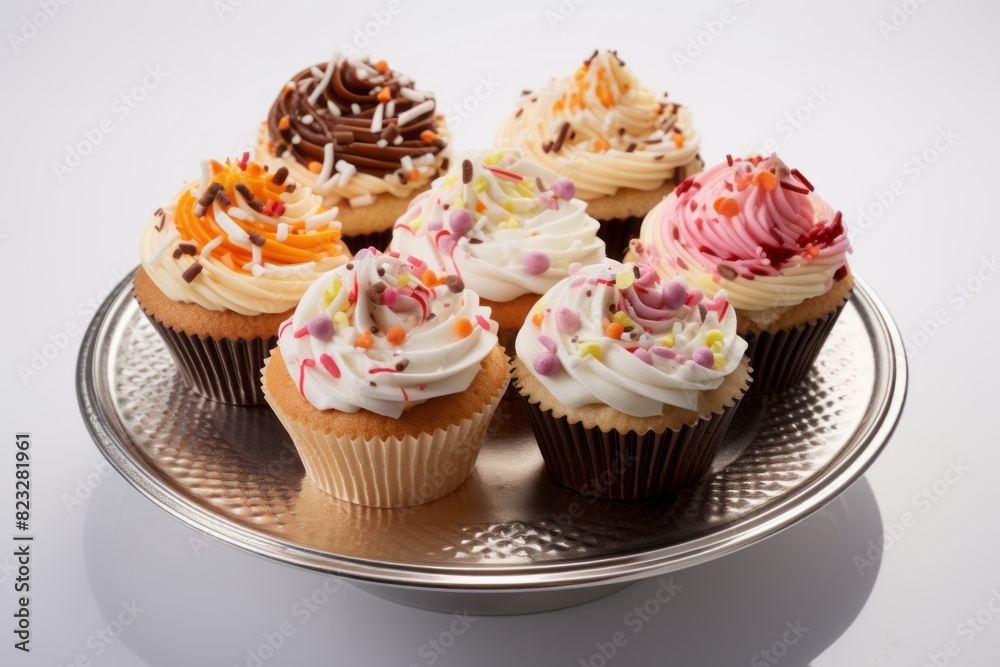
x: 643, y: 355
x: 362, y: 200
x: 601, y: 145
x: 320, y: 326
x: 412, y: 95
x: 428, y: 136
x: 727, y: 272
x: 567, y: 320
x: 624, y: 279
x: 429, y: 278
x: 187, y: 248
x: 460, y: 222
x: 561, y: 137
x: 412, y: 114
x: 395, y: 335
x: 284, y: 123
x: 355, y: 108
x: 622, y: 318
x: 729, y: 159
x: 210, y: 247
x: 192, y: 272
x: 536, y: 262
x: 235, y: 233
x: 340, y: 319
x: 563, y: 188
x: 802, y: 179
x: 463, y: 327
x: 376, y: 126
x: 324, y: 82
x: 713, y: 336
x: 536, y: 319
x: 720, y: 360
x: 207, y: 198
x: 257, y: 239
x: 390, y: 296
x: 374, y: 292
x: 667, y: 341
x: 364, y: 340
x: 279, y: 176
x: 614, y: 330
x: 765, y: 180
x: 546, y: 364
x: 243, y: 161
x: 282, y: 233
x: 794, y: 188
x: 704, y: 357
x: 329, y: 364
x: 590, y: 348
x: 548, y: 201
x: 483, y: 322
x: 678, y: 139
x: 455, y: 284
x: 726, y: 206
x: 332, y: 108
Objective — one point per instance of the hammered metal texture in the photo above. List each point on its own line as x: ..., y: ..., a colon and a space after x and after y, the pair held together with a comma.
x: 238, y: 464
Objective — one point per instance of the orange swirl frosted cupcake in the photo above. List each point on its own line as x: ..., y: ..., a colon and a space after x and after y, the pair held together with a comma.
x: 225, y: 263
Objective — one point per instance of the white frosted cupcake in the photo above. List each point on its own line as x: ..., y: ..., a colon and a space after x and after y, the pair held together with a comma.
x: 386, y: 384
x: 508, y: 228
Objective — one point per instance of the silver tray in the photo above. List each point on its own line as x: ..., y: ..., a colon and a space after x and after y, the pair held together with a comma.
x: 508, y: 540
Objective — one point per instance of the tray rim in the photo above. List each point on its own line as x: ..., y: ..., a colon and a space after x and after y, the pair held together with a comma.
x: 876, y: 429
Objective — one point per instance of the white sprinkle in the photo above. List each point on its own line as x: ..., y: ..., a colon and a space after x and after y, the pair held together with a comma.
x: 406, y: 162
x: 398, y: 140
x: 206, y: 177
x: 321, y: 219
x: 282, y: 234
x: 317, y: 72
x: 355, y: 108
x: 333, y: 108
x: 324, y: 82
x: 425, y: 160
x: 377, y: 118
x: 411, y: 95
x: 363, y: 66
x: 345, y: 167
x: 381, y: 143
x: 296, y: 139
x: 324, y: 173
x: 361, y: 74
x: 167, y: 242
x: 362, y: 200
x: 210, y: 247
x: 307, y: 119
x: 257, y: 253
x: 390, y: 108
x: 238, y: 213
x: 415, y: 112
x: 234, y: 231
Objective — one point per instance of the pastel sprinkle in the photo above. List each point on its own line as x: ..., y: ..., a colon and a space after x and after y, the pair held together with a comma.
x: 704, y: 357
x: 713, y: 336
x: 364, y: 340
x: 536, y: 262
x: 395, y: 335
x: 664, y: 352
x: 614, y: 330
x: 460, y: 222
x: 390, y: 296
x: 483, y: 322
x: 643, y: 355
x: 546, y: 363
x: 340, y: 319
x: 320, y: 326
x: 622, y: 318
x: 463, y: 327
x: 536, y: 319
x: 674, y: 294
x: 624, y: 279
x: 563, y: 188
x: 765, y: 180
x: 547, y: 342
x: 329, y: 364
x: 667, y: 341
x: 693, y: 298
x: 301, y: 332
x: 567, y: 320
x: 720, y: 361
x: 574, y: 267
x: 548, y: 201
x: 726, y: 206
x: 590, y: 348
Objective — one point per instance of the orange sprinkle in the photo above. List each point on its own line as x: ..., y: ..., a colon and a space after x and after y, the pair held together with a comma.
x: 604, y: 96
x: 537, y: 318
x: 381, y: 67
x: 396, y: 335
x: 601, y: 144
x: 480, y: 207
x: 315, y: 167
x: 463, y: 327
x: 427, y: 136
x: 413, y: 174
x: 364, y: 340
x: 812, y: 251
x: 614, y: 330
x: 284, y: 123
x: 581, y: 72
x: 429, y: 278
x: 744, y: 182
x: 678, y: 139
x: 766, y: 180
x: 384, y: 95
x: 726, y: 206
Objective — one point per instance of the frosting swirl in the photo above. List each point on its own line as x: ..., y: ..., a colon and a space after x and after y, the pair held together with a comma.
x: 493, y: 221
x: 603, y: 129
x: 374, y: 335
x: 753, y: 227
x: 353, y: 127
x: 242, y: 239
x: 613, y: 334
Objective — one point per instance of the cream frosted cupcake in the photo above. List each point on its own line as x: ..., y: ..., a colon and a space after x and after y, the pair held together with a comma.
x: 623, y: 145
x: 629, y: 383
x: 360, y: 134
x: 755, y: 229
x: 507, y: 228
x: 225, y: 263
x: 386, y: 384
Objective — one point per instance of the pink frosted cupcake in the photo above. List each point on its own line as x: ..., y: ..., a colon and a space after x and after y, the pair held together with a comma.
x: 754, y: 228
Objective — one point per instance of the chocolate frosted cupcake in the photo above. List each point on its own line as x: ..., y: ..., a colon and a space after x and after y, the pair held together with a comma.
x: 629, y: 383
x: 224, y: 264
x: 755, y: 229
x: 623, y: 145
x: 361, y: 135
x: 386, y: 384
x: 506, y: 227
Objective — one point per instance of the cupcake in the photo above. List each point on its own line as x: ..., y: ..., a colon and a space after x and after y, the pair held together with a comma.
x: 624, y: 146
x: 629, y: 382
x: 225, y: 263
x: 386, y: 383
x: 505, y: 227
x: 361, y: 135
x: 755, y: 229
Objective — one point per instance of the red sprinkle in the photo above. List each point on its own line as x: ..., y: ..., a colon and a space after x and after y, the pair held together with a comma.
x: 483, y: 322
x: 243, y: 161
x: 329, y: 364
x: 503, y: 172
x: 301, y: 332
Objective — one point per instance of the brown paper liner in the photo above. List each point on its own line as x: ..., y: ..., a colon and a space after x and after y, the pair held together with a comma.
x: 227, y: 371
x: 390, y: 472
x: 782, y: 359
x: 627, y: 466
x: 617, y: 233
x: 378, y: 240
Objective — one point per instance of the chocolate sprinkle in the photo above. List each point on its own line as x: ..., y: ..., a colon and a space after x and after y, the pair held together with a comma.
x: 563, y: 131
x: 729, y: 159
x: 192, y: 272
x: 280, y: 176
x: 402, y: 364
x: 631, y: 147
x: 187, y: 248
x: 247, y: 193
x: 257, y: 239
x: 794, y: 188
x: 375, y: 292
x: 455, y: 284
x: 546, y: 146
x: 466, y: 171
x: 291, y: 187
x: 223, y: 198
x: 727, y: 272
x: 163, y: 218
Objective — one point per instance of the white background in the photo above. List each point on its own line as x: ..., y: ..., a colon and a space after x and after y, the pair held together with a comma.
x: 885, y: 98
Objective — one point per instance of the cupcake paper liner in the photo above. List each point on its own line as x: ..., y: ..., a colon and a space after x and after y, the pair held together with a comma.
x: 390, y: 472
x: 227, y: 371
x: 616, y: 234
x: 782, y: 359
x: 378, y: 240
x: 627, y: 466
